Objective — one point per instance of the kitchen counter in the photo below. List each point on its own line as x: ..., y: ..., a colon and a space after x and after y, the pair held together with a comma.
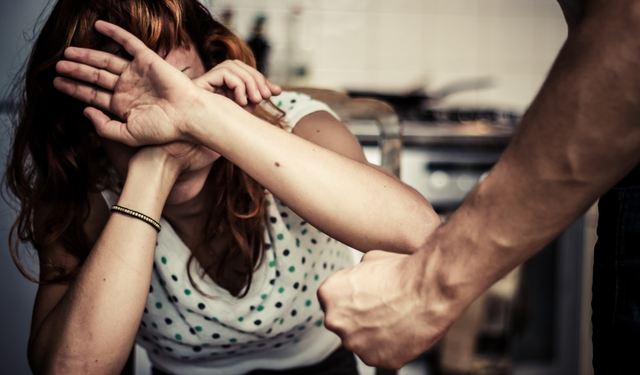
x: 439, y: 134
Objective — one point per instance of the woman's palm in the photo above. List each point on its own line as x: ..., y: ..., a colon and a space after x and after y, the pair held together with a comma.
x: 148, y: 94
x: 149, y: 97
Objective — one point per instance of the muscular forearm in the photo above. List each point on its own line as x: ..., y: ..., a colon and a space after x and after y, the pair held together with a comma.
x: 347, y: 199
x: 578, y: 138
x: 93, y: 326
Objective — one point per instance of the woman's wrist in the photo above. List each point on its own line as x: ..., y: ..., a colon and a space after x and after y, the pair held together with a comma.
x: 156, y: 161
x: 150, y: 177
x: 208, y: 113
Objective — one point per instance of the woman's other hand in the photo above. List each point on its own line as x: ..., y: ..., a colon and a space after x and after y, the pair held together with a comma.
x: 153, y: 97
x: 177, y: 157
x: 238, y: 82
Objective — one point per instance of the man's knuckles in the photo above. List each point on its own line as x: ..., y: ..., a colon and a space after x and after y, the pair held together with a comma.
x: 386, y: 360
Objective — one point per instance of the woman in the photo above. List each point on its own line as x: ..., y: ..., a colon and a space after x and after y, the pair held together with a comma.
x: 197, y: 261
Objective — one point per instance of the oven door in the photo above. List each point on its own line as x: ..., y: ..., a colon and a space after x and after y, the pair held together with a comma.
x: 546, y: 339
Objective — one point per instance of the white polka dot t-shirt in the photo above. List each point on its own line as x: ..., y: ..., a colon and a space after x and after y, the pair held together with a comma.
x: 277, y: 325
x: 296, y: 105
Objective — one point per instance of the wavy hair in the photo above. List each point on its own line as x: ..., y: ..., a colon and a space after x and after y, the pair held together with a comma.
x: 56, y: 159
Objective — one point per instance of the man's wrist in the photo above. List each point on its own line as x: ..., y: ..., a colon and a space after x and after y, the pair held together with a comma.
x: 445, y: 287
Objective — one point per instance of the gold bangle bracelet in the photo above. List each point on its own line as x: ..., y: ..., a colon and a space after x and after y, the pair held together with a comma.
x: 137, y: 215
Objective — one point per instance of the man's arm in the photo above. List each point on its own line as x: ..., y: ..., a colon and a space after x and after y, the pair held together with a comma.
x: 572, y: 10
x: 580, y: 136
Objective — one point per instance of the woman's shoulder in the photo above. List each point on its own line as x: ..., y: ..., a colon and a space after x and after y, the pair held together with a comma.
x: 297, y: 105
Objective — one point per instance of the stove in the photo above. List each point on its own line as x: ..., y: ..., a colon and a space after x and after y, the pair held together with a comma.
x: 444, y: 160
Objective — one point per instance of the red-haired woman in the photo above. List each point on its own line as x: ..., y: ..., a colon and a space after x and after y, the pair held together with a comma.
x: 172, y: 212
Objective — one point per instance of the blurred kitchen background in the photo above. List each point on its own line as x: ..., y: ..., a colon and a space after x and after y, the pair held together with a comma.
x: 459, y: 73
x: 407, y: 45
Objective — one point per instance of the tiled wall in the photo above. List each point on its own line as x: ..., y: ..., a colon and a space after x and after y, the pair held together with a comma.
x: 403, y: 44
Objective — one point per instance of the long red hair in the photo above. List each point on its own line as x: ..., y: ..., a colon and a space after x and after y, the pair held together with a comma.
x: 56, y: 158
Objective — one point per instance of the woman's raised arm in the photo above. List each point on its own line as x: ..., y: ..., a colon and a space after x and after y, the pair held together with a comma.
x: 325, y: 180
x: 320, y: 171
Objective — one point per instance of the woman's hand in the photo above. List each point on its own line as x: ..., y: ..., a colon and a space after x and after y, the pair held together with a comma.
x: 153, y: 97
x: 238, y: 82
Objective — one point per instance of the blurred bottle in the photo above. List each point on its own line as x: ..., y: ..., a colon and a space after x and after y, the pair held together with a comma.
x: 259, y: 44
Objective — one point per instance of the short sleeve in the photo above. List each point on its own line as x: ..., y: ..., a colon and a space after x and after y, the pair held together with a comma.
x: 296, y: 105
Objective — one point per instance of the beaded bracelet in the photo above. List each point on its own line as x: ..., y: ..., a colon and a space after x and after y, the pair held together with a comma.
x: 137, y: 215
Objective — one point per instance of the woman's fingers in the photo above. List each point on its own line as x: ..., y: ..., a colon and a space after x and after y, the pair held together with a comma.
x: 237, y: 85
x: 86, y: 73
x: 99, y: 59
x: 130, y: 43
x: 267, y: 87
x: 247, y: 84
x: 229, y: 81
x: 256, y: 86
x: 261, y: 82
x: 91, y: 95
x: 98, y: 118
x: 275, y: 89
x: 223, y: 81
x: 233, y: 75
x: 108, y: 128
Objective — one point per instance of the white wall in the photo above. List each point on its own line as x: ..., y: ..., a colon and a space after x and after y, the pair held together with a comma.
x: 402, y: 44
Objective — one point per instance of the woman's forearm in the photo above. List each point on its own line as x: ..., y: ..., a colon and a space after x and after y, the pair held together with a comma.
x: 92, y: 328
x: 349, y: 200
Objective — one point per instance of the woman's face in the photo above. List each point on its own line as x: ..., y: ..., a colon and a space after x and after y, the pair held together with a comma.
x: 190, y: 182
